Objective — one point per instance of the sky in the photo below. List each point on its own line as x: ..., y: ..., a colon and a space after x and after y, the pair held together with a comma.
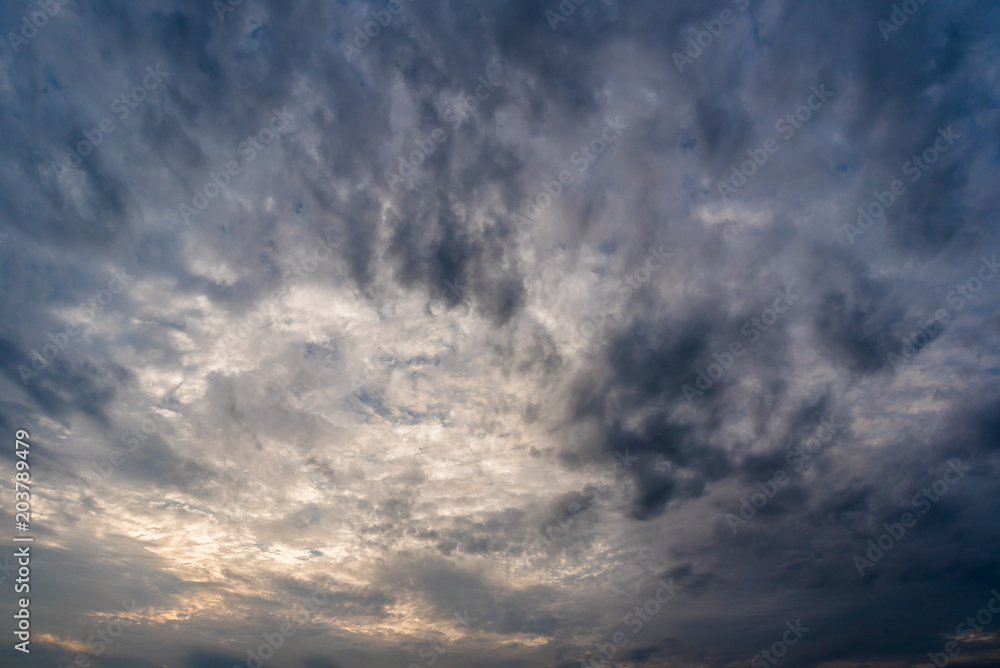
x: 523, y: 333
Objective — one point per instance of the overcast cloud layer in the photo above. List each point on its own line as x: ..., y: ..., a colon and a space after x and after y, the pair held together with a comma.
x: 315, y: 336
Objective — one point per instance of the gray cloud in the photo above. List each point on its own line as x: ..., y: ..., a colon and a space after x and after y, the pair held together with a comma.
x: 384, y: 391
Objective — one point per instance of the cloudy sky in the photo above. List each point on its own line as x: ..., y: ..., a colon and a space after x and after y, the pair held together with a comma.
x: 456, y: 333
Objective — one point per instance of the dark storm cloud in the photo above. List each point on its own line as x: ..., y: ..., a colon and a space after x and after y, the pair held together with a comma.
x: 495, y: 608
x: 852, y: 320
x: 63, y: 387
x: 340, y: 601
x: 209, y: 659
x: 320, y: 662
